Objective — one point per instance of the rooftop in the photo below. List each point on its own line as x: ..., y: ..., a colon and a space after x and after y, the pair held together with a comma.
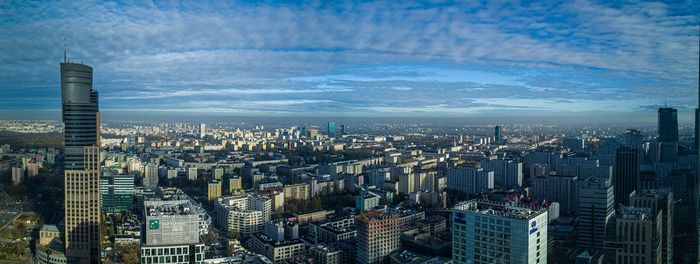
x: 498, y: 209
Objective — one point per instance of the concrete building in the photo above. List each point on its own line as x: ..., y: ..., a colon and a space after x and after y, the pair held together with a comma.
x: 213, y: 190
x: 660, y: 202
x: 235, y: 185
x: 558, y: 188
x: 595, y: 209
x: 469, y: 179
x: 638, y: 232
x: 17, y: 175
x: 171, y: 233
x: 299, y: 191
x: 377, y: 236
x: 488, y: 232
x: 506, y: 173
x: 244, y: 214
x: 150, y: 175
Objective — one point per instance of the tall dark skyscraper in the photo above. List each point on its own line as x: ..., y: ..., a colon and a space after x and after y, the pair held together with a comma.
x: 697, y: 130
x: 331, y: 129
x: 342, y: 130
x: 668, y: 134
x: 81, y: 119
x: 626, y: 173
x: 80, y: 112
x: 497, y: 134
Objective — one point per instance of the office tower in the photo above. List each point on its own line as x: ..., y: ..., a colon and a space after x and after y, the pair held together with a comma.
x: 202, y: 130
x: 683, y: 184
x: 505, y: 172
x: 633, y: 138
x: 172, y: 232
x: 486, y: 232
x: 626, y: 173
x: 469, y: 179
x: 150, y: 175
x: 668, y: 134
x: 595, y: 208
x: 243, y: 214
x: 342, y: 130
x: 214, y: 190
x: 557, y: 188
x: 697, y: 130
x: 659, y: 201
x: 377, y: 236
x: 497, y: 134
x: 331, y: 129
x: 638, y: 231
x: 81, y: 117
x: 116, y: 192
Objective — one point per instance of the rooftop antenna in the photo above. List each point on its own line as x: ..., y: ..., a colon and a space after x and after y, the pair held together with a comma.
x: 665, y: 103
x: 65, y: 60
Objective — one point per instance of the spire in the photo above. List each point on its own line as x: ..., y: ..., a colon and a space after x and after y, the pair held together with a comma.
x: 65, y: 60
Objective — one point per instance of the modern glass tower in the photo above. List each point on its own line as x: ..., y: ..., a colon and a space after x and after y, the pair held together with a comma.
x: 331, y: 129
x: 668, y: 134
x: 80, y: 112
x: 626, y: 173
x: 81, y: 119
x: 497, y: 134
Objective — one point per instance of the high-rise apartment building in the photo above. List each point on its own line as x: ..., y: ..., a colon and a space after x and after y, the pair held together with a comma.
x: 507, y: 173
x: 81, y: 116
x: 331, y: 129
x: 202, y: 130
x: 626, y: 173
x: 377, y: 236
x: 558, y: 188
x: 150, y: 175
x: 489, y: 232
x: 213, y: 190
x: 469, y: 179
x: 244, y: 214
x: 596, y: 207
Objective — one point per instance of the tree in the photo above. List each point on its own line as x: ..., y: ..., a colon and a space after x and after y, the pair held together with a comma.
x: 233, y: 234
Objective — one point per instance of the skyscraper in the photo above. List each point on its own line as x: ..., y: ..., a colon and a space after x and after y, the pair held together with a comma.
x: 202, y: 130
x: 697, y: 130
x: 81, y: 117
x: 626, y: 173
x: 596, y: 207
x: 668, y: 134
x: 331, y: 129
x: 497, y: 134
x: 342, y: 130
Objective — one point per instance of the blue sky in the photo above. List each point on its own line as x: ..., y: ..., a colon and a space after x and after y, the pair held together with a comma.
x: 384, y: 58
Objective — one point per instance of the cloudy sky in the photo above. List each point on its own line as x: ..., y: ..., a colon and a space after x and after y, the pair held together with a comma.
x: 384, y: 58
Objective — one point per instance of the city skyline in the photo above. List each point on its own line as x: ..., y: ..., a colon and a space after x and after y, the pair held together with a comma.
x: 368, y: 59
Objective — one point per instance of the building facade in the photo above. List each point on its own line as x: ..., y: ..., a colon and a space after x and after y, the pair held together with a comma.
x: 487, y: 232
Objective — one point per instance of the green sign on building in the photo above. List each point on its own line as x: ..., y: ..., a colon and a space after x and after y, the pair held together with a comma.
x: 153, y: 224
